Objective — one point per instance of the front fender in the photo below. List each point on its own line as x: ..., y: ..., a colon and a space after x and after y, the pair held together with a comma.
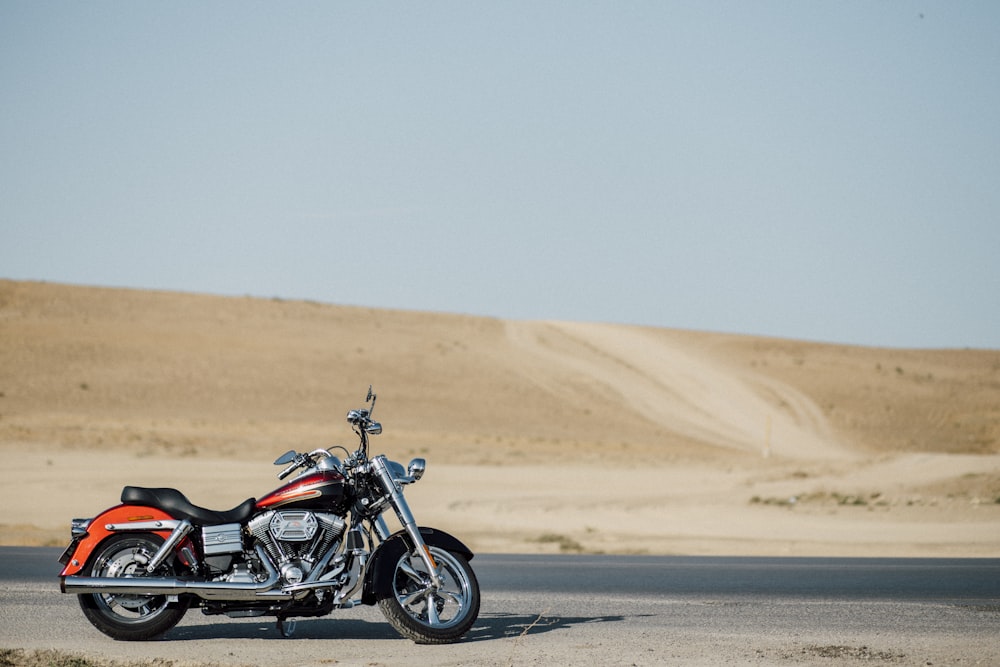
x: 381, y: 566
x: 98, y: 531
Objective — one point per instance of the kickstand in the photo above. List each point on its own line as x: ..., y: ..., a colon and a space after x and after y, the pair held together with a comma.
x: 286, y: 626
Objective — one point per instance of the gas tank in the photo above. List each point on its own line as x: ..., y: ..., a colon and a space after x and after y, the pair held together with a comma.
x: 320, y: 490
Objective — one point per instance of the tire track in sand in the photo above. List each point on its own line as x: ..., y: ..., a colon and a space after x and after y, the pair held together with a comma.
x: 680, y: 387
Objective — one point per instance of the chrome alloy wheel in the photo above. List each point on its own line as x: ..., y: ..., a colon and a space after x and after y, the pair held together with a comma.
x: 428, y: 614
x: 129, y: 560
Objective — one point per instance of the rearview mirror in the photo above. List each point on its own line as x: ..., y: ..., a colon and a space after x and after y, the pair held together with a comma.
x: 285, y: 458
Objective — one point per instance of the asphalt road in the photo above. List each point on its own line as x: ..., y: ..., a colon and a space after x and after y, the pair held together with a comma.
x: 588, y: 610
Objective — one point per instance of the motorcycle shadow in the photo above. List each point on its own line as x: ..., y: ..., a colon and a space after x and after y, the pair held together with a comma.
x: 489, y: 627
x: 314, y: 628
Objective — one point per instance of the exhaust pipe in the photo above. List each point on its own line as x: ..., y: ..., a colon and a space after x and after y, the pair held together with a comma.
x: 207, y: 590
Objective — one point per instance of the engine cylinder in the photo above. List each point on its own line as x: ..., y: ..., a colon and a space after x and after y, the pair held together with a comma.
x: 296, y: 535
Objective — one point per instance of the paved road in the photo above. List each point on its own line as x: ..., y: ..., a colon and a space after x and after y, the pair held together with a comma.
x: 591, y: 610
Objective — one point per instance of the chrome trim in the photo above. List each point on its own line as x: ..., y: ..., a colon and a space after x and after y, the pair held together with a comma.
x: 78, y: 527
x: 166, y: 524
x: 416, y: 469
x: 318, y: 570
x: 207, y: 590
x: 225, y: 538
x: 382, y: 471
x: 402, y: 476
x: 381, y: 528
x: 342, y: 596
x: 180, y: 532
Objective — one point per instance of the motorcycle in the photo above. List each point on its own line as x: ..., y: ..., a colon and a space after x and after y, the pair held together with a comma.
x: 316, y: 544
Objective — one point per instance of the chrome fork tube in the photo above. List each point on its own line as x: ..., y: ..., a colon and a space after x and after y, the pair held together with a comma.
x: 381, y: 529
x: 406, y: 517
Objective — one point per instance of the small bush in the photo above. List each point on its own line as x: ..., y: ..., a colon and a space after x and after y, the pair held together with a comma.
x: 566, y: 544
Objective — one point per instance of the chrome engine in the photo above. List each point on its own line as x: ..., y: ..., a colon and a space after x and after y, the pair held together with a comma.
x: 296, y: 539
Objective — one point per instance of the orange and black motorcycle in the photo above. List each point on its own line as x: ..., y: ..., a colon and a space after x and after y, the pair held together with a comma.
x: 317, y: 544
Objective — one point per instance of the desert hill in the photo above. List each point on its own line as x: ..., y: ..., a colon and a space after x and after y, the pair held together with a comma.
x: 141, y: 376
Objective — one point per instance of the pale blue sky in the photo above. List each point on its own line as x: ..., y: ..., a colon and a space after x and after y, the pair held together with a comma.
x: 825, y: 171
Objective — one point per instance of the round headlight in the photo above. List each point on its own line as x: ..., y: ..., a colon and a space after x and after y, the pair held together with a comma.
x: 416, y: 468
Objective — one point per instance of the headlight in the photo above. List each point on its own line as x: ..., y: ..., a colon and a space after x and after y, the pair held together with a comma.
x: 416, y: 469
x: 408, y: 476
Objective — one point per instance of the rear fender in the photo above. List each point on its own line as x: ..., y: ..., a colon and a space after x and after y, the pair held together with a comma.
x: 379, y: 573
x: 122, y: 518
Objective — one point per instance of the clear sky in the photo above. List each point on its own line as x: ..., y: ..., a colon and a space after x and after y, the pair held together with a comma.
x: 826, y: 171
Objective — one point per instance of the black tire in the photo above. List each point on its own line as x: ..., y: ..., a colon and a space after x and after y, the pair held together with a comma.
x: 426, y: 616
x: 125, y: 616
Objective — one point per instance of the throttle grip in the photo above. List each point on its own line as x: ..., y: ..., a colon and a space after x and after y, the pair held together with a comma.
x: 288, y: 471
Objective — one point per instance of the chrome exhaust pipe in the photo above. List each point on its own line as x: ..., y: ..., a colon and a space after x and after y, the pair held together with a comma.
x: 207, y: 590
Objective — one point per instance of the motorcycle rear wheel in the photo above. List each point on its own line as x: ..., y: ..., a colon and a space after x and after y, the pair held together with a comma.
x: 126, y: 616
x: 428, y: 616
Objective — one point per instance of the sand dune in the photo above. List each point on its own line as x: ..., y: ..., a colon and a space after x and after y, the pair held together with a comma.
x: 540, y: 435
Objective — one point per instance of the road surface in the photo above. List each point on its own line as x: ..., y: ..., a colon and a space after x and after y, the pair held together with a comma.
x: 587, y: 610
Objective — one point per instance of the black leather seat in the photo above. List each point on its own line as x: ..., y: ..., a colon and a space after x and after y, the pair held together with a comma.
x: 174, y: 503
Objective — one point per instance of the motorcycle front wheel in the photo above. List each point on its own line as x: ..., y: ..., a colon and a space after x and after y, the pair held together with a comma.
x: 428, y: 616
x: 127, y: 616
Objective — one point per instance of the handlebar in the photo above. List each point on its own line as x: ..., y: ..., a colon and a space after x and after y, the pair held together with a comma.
x: 310, y: 459
x: 364, y: 425
x: 290, y: 469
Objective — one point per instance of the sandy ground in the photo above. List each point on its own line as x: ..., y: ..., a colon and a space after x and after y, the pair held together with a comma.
x: 540, y: 436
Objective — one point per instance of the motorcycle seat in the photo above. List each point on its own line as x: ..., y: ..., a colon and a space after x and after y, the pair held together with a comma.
x: 177, y: 505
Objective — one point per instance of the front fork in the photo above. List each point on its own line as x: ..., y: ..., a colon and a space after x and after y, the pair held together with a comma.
x: 405, y: 518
